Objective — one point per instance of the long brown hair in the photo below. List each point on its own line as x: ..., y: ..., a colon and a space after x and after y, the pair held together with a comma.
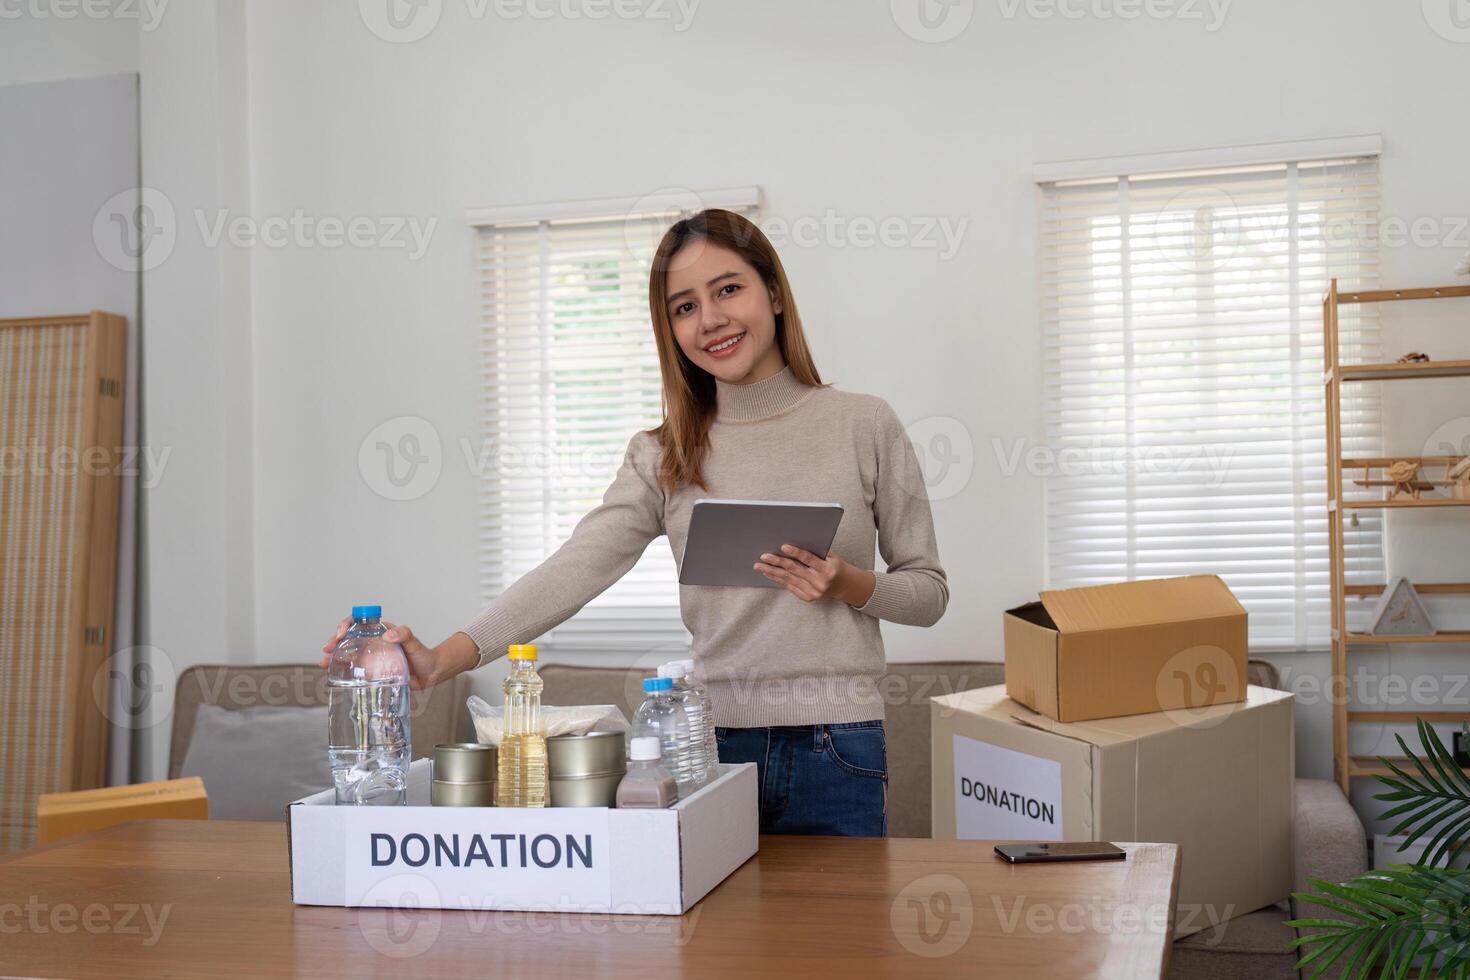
x: 689, y: 402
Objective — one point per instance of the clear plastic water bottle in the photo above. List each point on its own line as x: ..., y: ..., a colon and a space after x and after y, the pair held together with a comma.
x: 660, y: 715
x: 711, y: 745
x: 701, y: 736
x: 368, y: 742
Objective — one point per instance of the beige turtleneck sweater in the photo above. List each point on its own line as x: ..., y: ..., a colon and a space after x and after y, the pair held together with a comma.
x: 766, y: 656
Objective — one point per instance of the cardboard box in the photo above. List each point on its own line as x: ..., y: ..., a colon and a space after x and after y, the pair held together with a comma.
x: 1216, y: 780
x: 61, y: 815
x: 565, y: 859
x: 1126, y: 649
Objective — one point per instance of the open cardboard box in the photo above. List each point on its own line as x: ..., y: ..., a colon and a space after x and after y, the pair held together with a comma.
x: 565, y: 859
x: 1129, y: 648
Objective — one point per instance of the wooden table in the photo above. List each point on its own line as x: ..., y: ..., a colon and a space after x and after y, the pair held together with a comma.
x: 174, y: 898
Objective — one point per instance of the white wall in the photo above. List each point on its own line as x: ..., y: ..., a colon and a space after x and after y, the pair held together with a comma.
x: 68, y: 148
x: 197, y: 526
x: 826, y: 106
x: 52, y: 48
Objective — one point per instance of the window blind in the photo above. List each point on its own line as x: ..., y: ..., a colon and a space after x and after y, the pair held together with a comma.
x: 569, y: 373
x: 1183, y: 372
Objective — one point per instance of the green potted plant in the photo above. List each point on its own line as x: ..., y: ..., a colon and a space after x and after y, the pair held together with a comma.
x: 1389, y: 917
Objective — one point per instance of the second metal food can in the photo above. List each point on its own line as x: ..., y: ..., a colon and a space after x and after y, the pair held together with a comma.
x: 585, y: 770
x: 464, y: 775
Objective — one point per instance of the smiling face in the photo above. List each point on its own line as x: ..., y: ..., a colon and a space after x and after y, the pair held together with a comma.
x: 723, y: 315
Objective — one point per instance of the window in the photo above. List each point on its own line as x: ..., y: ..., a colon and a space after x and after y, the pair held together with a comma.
x: 1183, y: 370
x: 570, y: 372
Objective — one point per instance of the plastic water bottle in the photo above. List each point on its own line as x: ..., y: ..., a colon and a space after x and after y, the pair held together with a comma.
x: 661, y: 716
x: 701, y: 736
x: 701, y: 694
x: 521, y: 776
x: 647, y: 784
x: 367, y: 716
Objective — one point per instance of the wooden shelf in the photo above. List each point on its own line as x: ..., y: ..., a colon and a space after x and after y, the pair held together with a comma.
x: 1385, y: 504
x: 1423, y: 588
x: 1409, y: 717
x: 1363, y: 765
x: 1402, y: 372
x: 1334, y: 375
x: 1383, y: 462
x: 1443, y: 636
x: 1389, y: 295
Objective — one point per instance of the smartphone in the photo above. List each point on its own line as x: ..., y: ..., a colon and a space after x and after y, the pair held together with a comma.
x: 1045, y: 851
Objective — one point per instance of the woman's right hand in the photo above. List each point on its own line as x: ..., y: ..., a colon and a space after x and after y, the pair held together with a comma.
x: 427, y: 666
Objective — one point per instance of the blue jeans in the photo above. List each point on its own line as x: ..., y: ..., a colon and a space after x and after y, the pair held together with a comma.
x: 816, y: 779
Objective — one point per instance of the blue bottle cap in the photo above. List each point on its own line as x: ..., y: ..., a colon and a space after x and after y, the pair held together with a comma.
x: 367, y: 612
x: 653, y: 684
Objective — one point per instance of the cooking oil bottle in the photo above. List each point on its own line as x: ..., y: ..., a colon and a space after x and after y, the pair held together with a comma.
x: 521, y: 779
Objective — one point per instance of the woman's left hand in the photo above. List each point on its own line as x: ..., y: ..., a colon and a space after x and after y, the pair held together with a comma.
x: 810, y: 578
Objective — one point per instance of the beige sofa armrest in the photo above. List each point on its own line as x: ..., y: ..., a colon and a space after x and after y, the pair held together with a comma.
x: 1328, y: 840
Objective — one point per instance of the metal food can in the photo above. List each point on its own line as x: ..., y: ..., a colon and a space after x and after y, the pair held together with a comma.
x: 464, y: 762
x: 585, y: 770
x: 442, y: 793
x: 600, y: 790
x: 592, y: 754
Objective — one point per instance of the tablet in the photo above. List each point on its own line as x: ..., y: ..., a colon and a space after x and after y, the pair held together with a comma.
x: 727, y: 537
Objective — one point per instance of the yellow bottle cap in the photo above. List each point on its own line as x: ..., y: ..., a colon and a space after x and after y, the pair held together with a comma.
x: 522, y: 651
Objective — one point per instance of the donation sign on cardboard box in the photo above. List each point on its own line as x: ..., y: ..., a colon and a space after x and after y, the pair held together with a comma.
x: 563, y: 859
x: 1130, y: 648
x: 1216, y: 780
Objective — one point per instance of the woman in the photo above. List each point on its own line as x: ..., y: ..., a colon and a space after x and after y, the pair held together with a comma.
x: 793, y: 672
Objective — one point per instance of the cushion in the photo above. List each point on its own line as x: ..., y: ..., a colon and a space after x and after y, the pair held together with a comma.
x: 255, y: 761
x: 1251, y: 945
x: 439, y: 714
